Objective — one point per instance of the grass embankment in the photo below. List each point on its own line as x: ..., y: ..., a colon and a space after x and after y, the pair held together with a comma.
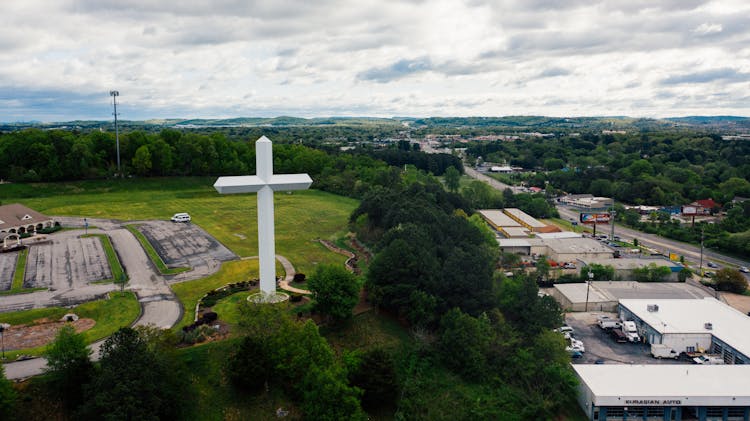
x: 191, y: 291
x: 300, y: 217
x: 121, y: 309
x: 118, y: 274
x: 153, y: 255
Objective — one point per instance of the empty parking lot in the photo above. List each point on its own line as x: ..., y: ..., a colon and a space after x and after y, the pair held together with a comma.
x: 7, y: 268
x: 67, y: 262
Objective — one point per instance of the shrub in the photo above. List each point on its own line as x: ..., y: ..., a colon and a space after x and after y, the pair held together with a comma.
x: 730, y: 280
x: 299, y: 277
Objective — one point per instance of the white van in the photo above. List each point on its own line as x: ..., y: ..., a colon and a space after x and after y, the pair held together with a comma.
x: 181, y: 217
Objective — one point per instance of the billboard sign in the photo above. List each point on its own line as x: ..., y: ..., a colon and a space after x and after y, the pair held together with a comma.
x: 594, y: 218
x: 689, y: 210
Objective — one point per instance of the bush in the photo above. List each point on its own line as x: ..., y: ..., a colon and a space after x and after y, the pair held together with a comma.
x: 299, y: 277
x: 295, y: 297
x: 730, y: 280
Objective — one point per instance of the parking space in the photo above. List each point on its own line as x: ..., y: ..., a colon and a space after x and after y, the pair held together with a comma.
x: 67, y: 262
x: 601, y: 348
x: 7, y: 268
x: 184, y: 244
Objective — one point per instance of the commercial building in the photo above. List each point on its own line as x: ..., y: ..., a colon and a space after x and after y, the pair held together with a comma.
x: 497, y: 219
x: 691, y: 325
x: 18, y: 219
x: 522, y: 246
x: 583, y: 297
x: 664, y: 392
x: 587, y: 202
x: 525, y: 219
x: 570, y: 249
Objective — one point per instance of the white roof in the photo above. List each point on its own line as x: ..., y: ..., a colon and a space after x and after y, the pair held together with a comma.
x: 498, y: 218
x: 576, y: 245
x: 513, y: 242
x: 562, y: 234
x: 523, y: 216
x: 576, y: 293
x: 690, y: 316
x: 691, y: 385
x: 514, y: 232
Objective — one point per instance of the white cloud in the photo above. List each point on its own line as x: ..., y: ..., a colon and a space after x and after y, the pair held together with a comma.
x: 708, y: 28
x: 58, y: 60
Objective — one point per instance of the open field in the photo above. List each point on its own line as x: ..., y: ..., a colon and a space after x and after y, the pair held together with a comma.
x: 300, y: 217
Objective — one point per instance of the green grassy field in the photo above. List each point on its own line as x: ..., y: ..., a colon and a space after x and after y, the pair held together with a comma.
x: 191, y: 291
x: 300, y: 217
x: 120, y: 310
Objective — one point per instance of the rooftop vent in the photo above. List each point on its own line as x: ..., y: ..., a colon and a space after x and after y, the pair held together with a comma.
x: 652, y: 308
x: 709, y: 326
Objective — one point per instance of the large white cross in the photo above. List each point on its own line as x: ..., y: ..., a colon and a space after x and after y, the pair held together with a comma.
x: 265, y: 182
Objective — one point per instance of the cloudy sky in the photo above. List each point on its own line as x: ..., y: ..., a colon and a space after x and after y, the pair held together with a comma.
x: 229, y: 58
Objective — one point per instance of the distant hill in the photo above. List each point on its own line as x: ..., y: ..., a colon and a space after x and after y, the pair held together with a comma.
x: 514, y: 123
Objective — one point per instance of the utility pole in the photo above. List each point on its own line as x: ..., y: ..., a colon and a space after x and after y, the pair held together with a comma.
x: 612, y: 214
x: 700, y: 265
x: 114, y: 95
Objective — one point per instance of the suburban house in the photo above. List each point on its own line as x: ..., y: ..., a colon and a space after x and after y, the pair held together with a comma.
x: 18, y: 219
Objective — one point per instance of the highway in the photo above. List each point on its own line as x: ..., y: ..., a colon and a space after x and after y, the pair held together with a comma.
x: 661, y: 244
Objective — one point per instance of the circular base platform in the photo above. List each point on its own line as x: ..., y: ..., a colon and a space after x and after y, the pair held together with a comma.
x: 263, y: 298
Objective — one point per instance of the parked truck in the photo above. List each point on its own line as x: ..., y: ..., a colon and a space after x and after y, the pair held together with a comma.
x: 663, y: 351
x: 630, y: 331
x: 606, y: 322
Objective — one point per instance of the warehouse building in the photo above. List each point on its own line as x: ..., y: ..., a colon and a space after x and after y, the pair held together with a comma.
x: 522, y: 246
x: 692, y: 325
x: 664, y: 392
x: 570, y: 249
x: 525, y: 219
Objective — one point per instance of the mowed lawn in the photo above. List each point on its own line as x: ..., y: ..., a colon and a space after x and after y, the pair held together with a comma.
x: 301, y: 217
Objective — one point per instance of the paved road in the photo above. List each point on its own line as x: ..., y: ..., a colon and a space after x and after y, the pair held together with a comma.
x: 487, y: 179
x: 664, y: 245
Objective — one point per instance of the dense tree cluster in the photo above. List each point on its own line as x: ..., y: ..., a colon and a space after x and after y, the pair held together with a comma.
x: 661, y: 168
x: 278, y: 351
x: 435, y: 267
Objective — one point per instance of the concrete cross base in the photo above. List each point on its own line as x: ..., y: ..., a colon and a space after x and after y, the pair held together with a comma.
x: 272, y: 298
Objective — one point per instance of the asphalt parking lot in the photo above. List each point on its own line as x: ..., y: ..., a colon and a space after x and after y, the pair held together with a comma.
x: 185, y: 244
x: 67, y: 262
x: 7, y: 268
x: 600, y: 346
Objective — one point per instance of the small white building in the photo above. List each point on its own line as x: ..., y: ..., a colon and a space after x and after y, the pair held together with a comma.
x: 664, y: 392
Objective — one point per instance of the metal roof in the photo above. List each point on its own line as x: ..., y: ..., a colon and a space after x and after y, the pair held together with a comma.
x: 690, y: 316
x: 677, y: 384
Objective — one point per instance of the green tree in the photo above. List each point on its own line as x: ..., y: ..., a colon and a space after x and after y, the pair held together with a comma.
x: 249, y: 367
x: 730, y: 280
x: 684, y: 274
x: 7, y: 396
x: 142, y: 160
x: 69, y: 365
x: 327, y: 397
x: 465, y: 342
x: 134, y: 382
x: 335, y: 291
x: 376, y: 377
x: 452, y: 178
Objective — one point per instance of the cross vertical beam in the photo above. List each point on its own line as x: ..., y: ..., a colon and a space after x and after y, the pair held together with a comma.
x: 264, y: 183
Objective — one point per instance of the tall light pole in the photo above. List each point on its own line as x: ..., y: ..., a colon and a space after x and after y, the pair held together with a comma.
x: 2, y: 336
x: 114, y: 95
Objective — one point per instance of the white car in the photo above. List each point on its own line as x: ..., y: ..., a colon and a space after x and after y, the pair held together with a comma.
x: 181, y: 217
x: 744, y: 269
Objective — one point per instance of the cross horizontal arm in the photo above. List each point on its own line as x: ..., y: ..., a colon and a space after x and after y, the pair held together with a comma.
x: 253, y: 183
